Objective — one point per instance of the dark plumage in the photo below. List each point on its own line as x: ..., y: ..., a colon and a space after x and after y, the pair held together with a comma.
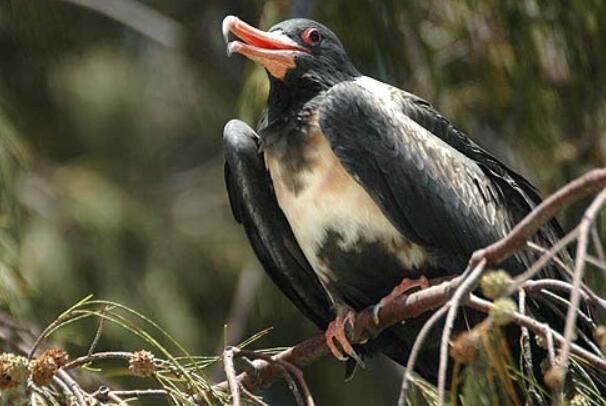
x: 352, y: 185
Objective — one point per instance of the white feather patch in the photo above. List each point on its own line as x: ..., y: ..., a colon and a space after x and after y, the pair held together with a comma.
x: 331, y: 199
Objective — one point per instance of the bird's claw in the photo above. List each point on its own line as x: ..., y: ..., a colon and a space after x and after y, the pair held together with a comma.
x: 403, y: 287
x: 336, y: 331
x: 375, y: 313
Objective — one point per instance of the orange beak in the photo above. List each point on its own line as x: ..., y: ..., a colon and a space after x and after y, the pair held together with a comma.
x: 275, y: 51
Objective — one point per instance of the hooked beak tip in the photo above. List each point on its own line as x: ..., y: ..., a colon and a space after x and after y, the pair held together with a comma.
x: 226, y: 25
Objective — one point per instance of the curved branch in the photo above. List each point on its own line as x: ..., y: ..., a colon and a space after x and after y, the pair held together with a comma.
x: 312, y: 349
x: 579, y: 267
x: 589, y: 183
x: 308, y: 351
x: 466, y: 287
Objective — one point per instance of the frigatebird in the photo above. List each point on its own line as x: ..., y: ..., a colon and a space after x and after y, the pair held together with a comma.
x: 352, y: 191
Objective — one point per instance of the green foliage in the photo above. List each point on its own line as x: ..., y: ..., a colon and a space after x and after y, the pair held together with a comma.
x: 13, y: 157
x: 111, y: 164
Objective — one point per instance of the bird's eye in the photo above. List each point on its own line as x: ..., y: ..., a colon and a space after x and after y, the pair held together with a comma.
x: 311, y: 36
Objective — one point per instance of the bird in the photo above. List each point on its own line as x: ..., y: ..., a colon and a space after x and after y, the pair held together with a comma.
x: 352, y: 191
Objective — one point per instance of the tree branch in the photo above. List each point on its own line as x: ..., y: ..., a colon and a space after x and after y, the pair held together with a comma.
x: 579, y: 267
x: 443, y: 294
x: 589, y: 183
x: 365, y: 328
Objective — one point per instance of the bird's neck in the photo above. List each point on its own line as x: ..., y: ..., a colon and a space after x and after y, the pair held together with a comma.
x: 285, y: 103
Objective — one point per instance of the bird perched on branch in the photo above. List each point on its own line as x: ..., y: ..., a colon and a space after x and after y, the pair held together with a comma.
x: 353, y: 191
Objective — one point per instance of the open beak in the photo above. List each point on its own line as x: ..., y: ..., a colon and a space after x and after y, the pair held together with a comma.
x: 274, y: 50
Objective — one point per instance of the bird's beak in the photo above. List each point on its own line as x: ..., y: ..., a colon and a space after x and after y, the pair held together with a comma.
x: 274, y: 50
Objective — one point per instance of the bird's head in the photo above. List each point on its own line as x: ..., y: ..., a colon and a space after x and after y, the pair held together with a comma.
x: 296, y: 52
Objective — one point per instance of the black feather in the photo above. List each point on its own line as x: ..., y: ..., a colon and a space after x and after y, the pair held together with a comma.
x: 255, y: 207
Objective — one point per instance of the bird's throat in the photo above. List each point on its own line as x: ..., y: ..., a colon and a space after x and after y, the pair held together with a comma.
x: 285, y: 102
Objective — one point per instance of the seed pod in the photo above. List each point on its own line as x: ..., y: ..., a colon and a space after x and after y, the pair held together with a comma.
x: 14, y: 370
x: 502, y: 312
x: 495, y: 284
x: 44, y: 369
x: 554, y: 378
x: 465, y: 347
x: 141, y: 363
x: 61, y: 357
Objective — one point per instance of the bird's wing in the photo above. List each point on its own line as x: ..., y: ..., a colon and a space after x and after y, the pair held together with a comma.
x: 520, y: 197
x: 519, y: 194
x: 420, y: 173
x: 254, y: 206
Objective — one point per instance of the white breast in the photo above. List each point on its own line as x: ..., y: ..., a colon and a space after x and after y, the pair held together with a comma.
x: 330, y: 199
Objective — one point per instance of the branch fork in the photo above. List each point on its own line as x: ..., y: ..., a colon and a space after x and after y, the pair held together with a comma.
x: 447, y: 296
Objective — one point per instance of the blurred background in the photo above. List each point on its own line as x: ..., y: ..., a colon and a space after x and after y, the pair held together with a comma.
x: 111, y: 117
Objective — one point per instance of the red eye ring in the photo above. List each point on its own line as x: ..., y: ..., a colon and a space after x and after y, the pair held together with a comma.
x: 311, y: 36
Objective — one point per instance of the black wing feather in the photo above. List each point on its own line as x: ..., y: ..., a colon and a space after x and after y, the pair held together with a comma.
x: 435, y: 195
x: 434, y: 184
x: 254, y: 206
x: 512, y: 187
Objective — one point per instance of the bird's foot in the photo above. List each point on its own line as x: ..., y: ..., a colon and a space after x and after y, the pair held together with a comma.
x: 336, y: 332
x: 404, y: 286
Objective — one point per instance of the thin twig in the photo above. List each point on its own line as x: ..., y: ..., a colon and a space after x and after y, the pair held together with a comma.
x: 115, y: 398
x: 67, y: 391
x: 537, y: 285
x: 416, y: 349
x: 230, y: 373
x: 252, y: 397
x: 597, y: 244
x: 43, y: 335
x: 235, y: 326
x: 584, y: 229
x: 595, y: 262
x: 556, y: 260
x: 140, y: 393
x: 543, y: 260
x: 296, y: 372
x: 466, y: 287
x: 42, y: 393
x: 550, y: 346
x: 525, y: 336
x: 97, y: 356
x: 542, y: 329
x: 587, y: 294
x: 98, y: 333
x: 566, y: 303
x: 591, y: 182
x: 73, y: 386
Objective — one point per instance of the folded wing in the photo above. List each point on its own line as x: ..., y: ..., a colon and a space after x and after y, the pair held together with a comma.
x: 254, y: 206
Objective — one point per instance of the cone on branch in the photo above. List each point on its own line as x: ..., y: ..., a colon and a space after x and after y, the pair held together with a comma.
x: 60, y: 356
x: 14, y: 370
x: 495, y: 284
x: 141, y: 363
x: 465, y: 347
x: 502, y: 312
x: 554, y: 378
x: 44, y: 369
